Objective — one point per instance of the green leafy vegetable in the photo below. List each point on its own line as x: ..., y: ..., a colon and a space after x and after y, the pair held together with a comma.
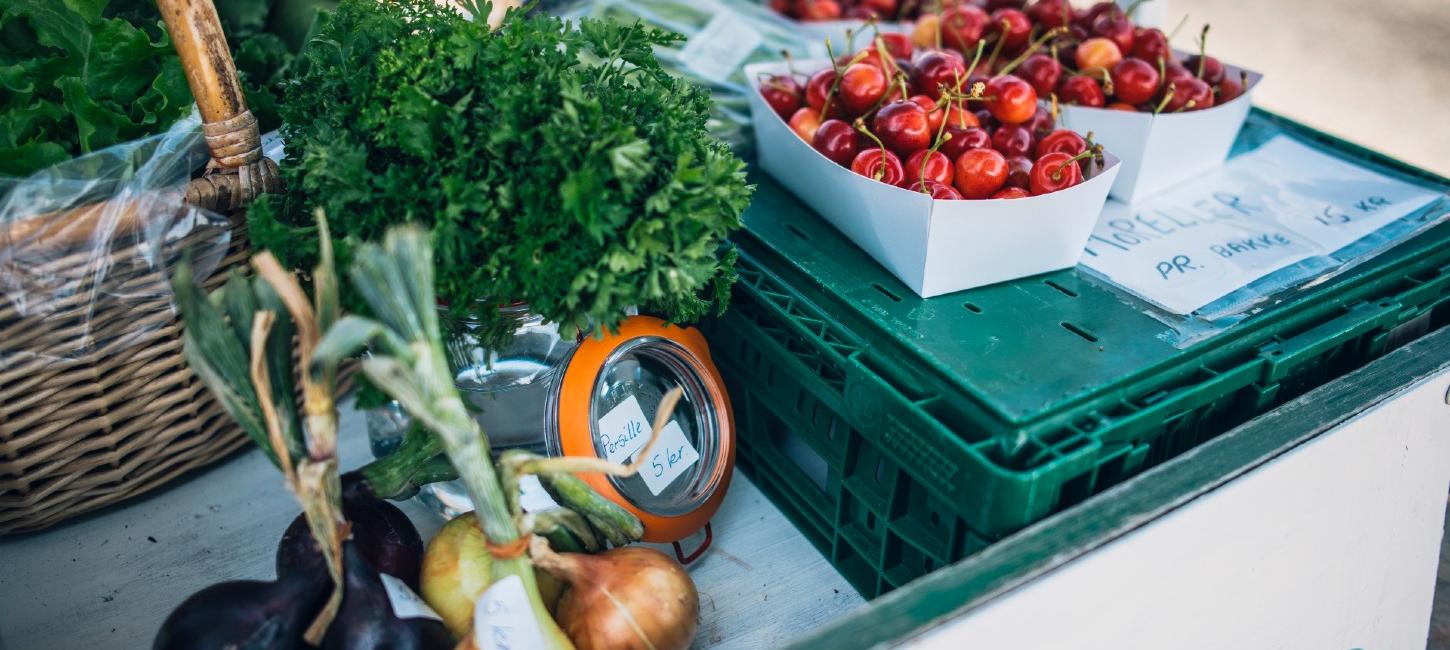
x: 557, y: 166
x: 74, y: 79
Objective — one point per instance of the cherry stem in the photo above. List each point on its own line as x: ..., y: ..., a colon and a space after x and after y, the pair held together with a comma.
x: 1066, y: 14
x: 1054, y: 108
x: 1128, y: 13
x: 860, y: 125
x: 938, y: 24
x: 1167, y: 97
x: 1032, y: 48
x: 1057, y: 173
x: 1107, y: 77
x: 1202, y: 51
x: 1001, y: 40
x: 1181, y: 22
x: 976, y: 58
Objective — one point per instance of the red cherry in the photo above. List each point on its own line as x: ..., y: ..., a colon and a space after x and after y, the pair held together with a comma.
x: 962, y: 26
x: 783, y: 94
x: 1101, y: 8
x: 980, y: 172
x: 1012, y: 140
x: 860, y: 12
x: 1191, y: 94
x: 928, y: 165
x: 1097, y: 52
x: 862, y: 85
x: 941, y: 192
x: 985, y: 119
x: 1012, y: 26
x: 1011, y: 99
x: 780, y: 6
x: 1053, y: 172
x: 886, y: 7
x: 836, y: 140
x: 899, y: 45
x: 1081, y: 90
x: 964, y: 140
x: 805, y: 122
x: 1135, y: 81
x: 938, y: 69
x: 1061, y: 141
x: 1213, y: 70
x: 1012, y: 192
x: 1229, y: 90
x: 959, y: 116
x: 818, y: 87
x: 978, y: 76
x: 1047, y: 13
x: 878, y: 164
x: 1115, y: 27
x: 903, y: 126
x: 1019, y: 171
x: 934, y: 115
x: 1125, y: 107
x: 1041, y: 123
x: 1042, y: 71
x: 816, y: 9
x: 1151, y: 45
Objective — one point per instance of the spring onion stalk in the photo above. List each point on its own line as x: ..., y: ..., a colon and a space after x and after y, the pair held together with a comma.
x: 395, y: 279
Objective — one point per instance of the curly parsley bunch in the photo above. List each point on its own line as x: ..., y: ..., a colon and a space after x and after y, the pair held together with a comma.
x: 554, y: 165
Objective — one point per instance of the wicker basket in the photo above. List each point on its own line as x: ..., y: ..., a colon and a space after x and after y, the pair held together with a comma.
x: 97, y: 403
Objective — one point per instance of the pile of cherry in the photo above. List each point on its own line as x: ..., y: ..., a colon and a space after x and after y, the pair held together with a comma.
x: 1091, y: 57
x: 929, y: 124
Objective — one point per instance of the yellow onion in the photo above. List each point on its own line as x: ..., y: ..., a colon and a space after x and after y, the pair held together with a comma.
x: 624, y: 599
x: 456, y: 572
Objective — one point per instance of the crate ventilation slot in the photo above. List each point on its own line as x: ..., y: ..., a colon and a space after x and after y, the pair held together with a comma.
x: 1064, y: 290
x: 1086, y: 335
x: 972, y: 307
x: 886, y: 292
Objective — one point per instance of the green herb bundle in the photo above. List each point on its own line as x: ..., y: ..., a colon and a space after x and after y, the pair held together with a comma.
x: 557, y: 166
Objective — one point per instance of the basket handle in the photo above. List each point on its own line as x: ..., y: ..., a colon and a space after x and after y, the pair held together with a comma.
x: 230, y: 128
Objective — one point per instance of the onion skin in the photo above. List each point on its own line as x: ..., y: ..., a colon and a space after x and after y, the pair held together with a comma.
x: 619, y: 594
x: 246, y: 614
x: 457, y: 568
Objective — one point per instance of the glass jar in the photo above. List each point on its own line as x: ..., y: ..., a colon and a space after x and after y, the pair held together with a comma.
x: 597, y: 397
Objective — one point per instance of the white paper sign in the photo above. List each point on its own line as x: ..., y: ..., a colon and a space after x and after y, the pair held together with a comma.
x: 406, y: 603
x: 503, y: 620
x: 532, y: 495
x: 1262, y: 211
x: 671, y: 456
x: 623, y: 431
x: 718, y: 50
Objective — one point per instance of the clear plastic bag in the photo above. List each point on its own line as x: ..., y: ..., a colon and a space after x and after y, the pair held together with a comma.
x: 86, y: 246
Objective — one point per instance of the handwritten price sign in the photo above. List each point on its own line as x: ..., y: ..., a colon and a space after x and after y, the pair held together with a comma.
x: 1263, y: 211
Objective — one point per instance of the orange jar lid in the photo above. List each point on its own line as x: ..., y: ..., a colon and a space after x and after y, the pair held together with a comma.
x: 606, y: 401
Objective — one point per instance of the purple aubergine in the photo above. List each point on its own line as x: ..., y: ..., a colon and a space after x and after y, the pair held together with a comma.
x: 246, y: 615
x: 366, y: 620
x: 381, y: 531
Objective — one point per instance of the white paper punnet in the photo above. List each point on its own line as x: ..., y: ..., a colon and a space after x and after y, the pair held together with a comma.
x: 934, y: 247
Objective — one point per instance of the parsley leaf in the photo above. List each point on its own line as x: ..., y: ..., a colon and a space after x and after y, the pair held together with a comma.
x: 552, y: 164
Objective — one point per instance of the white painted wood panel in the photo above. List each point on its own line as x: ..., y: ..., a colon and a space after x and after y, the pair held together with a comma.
x: 1333, y: 545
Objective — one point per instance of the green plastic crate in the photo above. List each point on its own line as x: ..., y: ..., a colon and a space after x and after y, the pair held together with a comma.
x: 902, y: 434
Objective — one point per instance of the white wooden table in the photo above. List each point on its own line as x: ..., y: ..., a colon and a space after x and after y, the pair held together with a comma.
x: 109, y: 579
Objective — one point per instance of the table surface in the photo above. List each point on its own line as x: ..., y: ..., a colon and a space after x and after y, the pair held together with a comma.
x: 108, y: 579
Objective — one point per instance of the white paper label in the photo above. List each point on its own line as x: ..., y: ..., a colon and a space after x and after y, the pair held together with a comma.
x: 503, y: 620
x: 623, y: 431
x: 532, y: 495
x: 671, y: 456
x: 718, y: 50
x: 406, y: 603
x: 1262, y: 211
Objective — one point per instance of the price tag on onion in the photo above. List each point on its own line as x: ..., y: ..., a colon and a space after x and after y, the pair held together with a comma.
x: 623, y: 431
x: 532, y: 495
x: 406, y: 603
x: 671, y: 456
x: 503, y: 620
